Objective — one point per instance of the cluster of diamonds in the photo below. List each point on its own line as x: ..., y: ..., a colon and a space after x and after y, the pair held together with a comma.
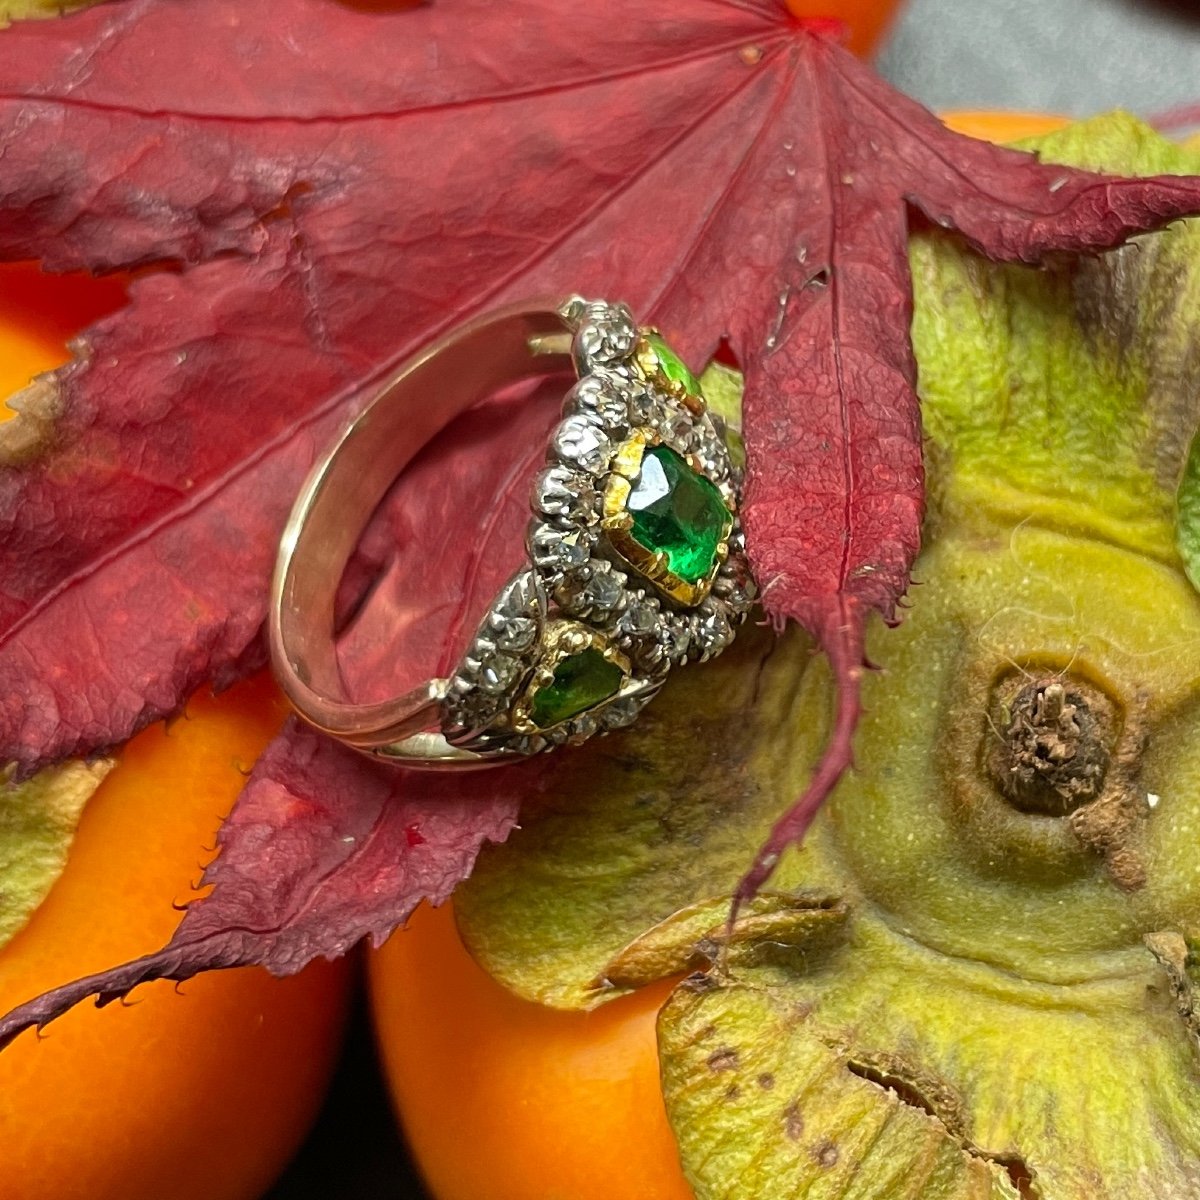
x: 578, y: 584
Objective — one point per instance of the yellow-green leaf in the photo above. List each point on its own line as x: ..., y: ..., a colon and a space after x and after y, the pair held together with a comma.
x: 1188, y: 531
x: 631, y: 830
x: 37, y: 825
x: 905, y: 1074
x: 764, y: 1105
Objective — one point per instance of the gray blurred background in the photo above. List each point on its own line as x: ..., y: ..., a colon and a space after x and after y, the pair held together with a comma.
x: 1074, y: 57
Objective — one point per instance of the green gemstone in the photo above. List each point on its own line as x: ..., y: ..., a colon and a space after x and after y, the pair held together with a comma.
x: 677, y: 512
x: 671, y: 365
x: 581, y: 681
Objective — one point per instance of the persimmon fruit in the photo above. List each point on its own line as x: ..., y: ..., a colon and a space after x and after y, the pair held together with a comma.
x: 40, y: 313
x: 509, y: 1100
x: 205, y: 1090
x: 502, y: 1098
x: 866, y: 21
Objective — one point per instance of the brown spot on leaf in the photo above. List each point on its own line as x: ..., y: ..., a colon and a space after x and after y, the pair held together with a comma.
x: 1106, y: 296
x: 1019, y: 1173
x: 1107, y: 293
x: 700, y: 982
x: 825, y: 1154
x: 766, y: 1081
x: 725, y: 1058
x: 732, y: 1092
x: 922, y: 1089
x: 793, y: 1121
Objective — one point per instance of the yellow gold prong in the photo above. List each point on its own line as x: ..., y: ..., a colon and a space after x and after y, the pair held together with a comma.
x: 627, y: 461
x: 618, y: 522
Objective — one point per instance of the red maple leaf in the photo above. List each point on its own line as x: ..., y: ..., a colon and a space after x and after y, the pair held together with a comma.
x: 322, y: 191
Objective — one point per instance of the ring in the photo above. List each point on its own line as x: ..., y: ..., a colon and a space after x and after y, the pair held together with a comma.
x: 635, y: 554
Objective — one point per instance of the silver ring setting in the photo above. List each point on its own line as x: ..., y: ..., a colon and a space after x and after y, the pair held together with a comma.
x: 636, y: 555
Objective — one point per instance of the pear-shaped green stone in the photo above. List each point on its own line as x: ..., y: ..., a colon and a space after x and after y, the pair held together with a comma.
x: 671, y: 365
x: 581, y: 681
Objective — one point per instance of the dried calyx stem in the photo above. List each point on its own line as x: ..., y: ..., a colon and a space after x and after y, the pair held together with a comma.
x: 1054, y: 751
x: 1061, y: 746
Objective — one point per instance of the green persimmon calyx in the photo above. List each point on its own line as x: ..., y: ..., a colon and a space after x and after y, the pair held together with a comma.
x: 977, y: 977
x: 37, y: 825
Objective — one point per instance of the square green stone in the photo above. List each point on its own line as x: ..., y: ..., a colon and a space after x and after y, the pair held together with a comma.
x: 581, y: 681
x: 678, y: 512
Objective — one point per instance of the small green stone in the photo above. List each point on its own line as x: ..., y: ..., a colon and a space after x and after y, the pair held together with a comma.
x: 677, y: 512
x: 671, y: 365
x: 581, y: 681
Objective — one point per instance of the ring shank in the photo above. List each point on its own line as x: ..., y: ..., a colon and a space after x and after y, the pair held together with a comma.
x: 344, y: 489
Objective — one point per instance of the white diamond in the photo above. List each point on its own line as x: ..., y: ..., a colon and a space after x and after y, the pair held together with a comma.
x: 606, y: 335
x: 498, y: 674
x: 679, y: 639
x: 603, y: 398
x: 516, y: 634
x: 561, y: 493
x: 735, y: 586
x: 519, y: 596
x: 579, y: 440
x: 679, y: 428
x: 603, y: 589
x: 550, y: 548
x: 713, y: 632
x: 639, y: 618
x: 582, y: 727
x: 618, y: 713
x: 643, y: 405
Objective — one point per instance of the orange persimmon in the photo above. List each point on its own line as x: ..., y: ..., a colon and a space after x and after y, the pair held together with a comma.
x: 866, y: 21
x: 203, y: 1090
